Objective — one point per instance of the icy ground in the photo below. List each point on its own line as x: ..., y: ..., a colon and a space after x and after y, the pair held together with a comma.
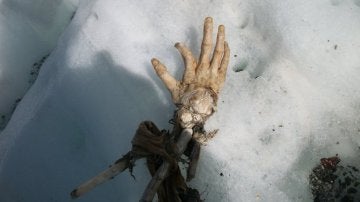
x: 291, y: 97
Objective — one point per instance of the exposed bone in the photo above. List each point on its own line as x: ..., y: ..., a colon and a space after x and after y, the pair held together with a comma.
x: 163, y: 171
x: 118, y: 167
x: 194, y: 159
x: 196, y: 95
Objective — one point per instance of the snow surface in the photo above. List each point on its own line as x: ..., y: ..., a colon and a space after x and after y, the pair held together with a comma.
x: 291, y: 96
x: 29, y: 31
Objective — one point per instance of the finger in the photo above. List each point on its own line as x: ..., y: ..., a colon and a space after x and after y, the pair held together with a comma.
x: 219, y: 48
x: 170, y: 82
x: 224, y: 63
x: 207, y: 41
x: 189, y: 59
x: 190, y: 62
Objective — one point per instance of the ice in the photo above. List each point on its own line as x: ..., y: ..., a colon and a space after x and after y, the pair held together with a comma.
x: 291, y: 95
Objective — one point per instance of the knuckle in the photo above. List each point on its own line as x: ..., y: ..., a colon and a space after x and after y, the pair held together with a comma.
x: 218, y: 51
x: 206, y: 44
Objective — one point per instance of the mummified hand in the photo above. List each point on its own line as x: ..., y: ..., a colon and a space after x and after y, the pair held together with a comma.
x: 196, y: 94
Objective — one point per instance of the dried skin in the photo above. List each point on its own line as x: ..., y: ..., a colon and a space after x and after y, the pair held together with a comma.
x: 201, y: 78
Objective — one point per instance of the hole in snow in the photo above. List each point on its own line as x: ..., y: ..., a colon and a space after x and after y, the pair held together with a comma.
x: 241, y: 66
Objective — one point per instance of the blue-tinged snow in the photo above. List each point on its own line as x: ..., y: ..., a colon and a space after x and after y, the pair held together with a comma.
x: 296, y: 100
x: 29, y: 31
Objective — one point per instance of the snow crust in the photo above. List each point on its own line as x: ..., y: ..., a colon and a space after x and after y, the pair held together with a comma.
x: 291, y: 96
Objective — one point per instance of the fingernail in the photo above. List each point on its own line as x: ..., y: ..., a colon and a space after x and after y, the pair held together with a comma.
x: 221, y: 28
x: 154, y: 61
x: 208, y: 19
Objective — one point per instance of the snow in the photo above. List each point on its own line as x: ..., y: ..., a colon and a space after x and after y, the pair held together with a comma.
x: 295, y: 100
x: 29, y: 31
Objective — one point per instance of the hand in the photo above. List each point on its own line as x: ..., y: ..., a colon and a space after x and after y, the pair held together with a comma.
x: 196, y: 94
